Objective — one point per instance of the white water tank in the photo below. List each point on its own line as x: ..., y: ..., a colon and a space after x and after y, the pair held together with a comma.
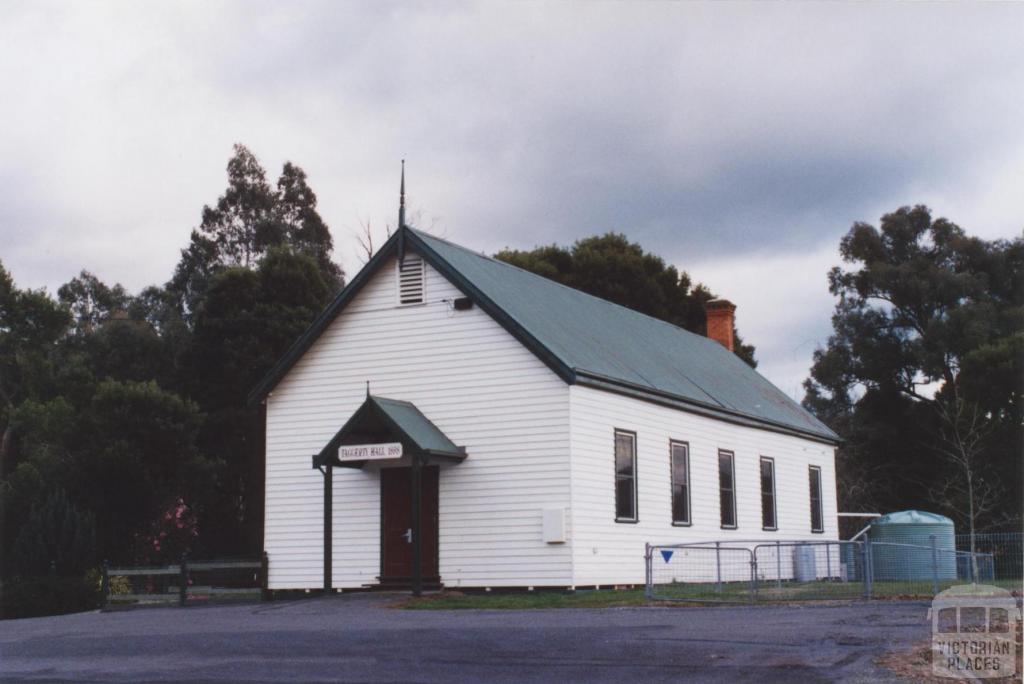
x: 804, y: 568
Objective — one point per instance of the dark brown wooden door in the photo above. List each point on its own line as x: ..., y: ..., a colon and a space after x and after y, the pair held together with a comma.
x: 396, y: 524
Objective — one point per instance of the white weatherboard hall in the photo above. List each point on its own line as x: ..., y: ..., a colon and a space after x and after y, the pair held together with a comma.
x: 512, y: 432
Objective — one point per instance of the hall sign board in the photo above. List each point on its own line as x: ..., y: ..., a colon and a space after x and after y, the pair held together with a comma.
x: 370, y: 452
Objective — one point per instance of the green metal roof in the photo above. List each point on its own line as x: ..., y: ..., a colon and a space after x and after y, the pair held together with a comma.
x: 380, y: 419
x: 590, y: 341
x: 416, y: 426
x: 610, y: 345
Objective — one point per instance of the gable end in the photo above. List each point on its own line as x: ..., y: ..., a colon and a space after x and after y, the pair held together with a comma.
x: 400, y: 242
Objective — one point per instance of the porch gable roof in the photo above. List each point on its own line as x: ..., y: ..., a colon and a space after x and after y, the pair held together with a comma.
x: 401, y: 420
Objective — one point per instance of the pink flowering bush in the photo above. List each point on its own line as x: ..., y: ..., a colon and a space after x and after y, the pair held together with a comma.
x: 171, y: 535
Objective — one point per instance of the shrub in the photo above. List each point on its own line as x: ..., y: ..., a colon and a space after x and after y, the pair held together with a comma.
x: 171, y: 535
x: 120, y: 585
x: 37, y: 596
x: 56, y: 532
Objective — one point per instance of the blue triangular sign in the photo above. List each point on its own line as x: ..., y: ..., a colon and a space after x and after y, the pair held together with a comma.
x: 667, y: 554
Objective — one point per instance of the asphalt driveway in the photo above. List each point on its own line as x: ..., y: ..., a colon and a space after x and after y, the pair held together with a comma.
x: 358, y: 637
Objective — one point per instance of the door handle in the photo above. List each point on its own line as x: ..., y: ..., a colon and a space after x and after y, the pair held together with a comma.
x: 408, y: 535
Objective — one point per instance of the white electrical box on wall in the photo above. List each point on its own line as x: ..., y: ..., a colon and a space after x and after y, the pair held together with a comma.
x: 554, y: 525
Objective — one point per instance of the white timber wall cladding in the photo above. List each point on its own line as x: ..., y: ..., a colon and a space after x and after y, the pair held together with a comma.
x: 481, y: 387
x: 607, y: 552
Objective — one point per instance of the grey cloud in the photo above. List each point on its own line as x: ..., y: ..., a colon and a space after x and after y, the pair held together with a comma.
x: 704, y: 131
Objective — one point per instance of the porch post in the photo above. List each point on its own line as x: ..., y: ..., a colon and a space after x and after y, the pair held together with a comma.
x: 417, y: 545
x: 328, y: 525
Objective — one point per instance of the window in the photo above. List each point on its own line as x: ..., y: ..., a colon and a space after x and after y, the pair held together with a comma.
x: 727, y: 489
x: 410, y: 279
x: 816, y: 517
x: 625, y: 476
x: 680, y: 458
x: 768, y: 494
x: 972, y: 619
x: 946, y: 623
x: 998, y: 620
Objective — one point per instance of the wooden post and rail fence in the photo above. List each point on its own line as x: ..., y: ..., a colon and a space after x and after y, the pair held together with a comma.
x: 185, y: 587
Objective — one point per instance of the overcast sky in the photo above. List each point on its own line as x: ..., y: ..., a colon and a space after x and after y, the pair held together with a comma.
x: 739, y: 141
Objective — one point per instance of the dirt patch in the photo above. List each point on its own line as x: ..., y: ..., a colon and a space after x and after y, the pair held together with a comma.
x: 915, y: 665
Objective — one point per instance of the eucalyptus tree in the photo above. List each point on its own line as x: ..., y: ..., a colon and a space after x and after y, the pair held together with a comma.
x: 247, y: 221
x: 922, y: 373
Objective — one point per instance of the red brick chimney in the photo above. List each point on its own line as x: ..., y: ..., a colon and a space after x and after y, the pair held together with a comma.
x: 720, y: 321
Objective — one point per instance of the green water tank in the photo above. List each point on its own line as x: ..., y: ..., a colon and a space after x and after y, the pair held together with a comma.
x: 896, y: 546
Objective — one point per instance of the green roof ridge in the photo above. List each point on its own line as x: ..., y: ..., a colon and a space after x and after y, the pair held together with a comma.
x: 607, y: 302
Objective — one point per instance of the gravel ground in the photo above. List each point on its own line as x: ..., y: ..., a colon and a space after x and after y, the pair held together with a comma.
x: 359, y: 637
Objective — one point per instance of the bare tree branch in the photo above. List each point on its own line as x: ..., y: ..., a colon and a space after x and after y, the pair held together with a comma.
x: 970, y: 491
x: 364, y: 236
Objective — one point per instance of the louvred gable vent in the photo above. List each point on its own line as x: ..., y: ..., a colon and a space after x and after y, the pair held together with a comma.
x: 410, y: 279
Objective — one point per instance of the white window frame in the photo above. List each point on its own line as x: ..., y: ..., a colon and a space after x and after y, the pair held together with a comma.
x: 672, y: 444
x: 821, y: 504
x: 732, y: 467
x: 636, y: 495
x: 775, y: 508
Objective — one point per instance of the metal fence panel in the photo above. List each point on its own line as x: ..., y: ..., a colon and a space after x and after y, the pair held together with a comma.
x: 713, y: 572
x: 1005, y: 548
x: 787, y: 570
x: 915, y: 571
x: 797, y: 570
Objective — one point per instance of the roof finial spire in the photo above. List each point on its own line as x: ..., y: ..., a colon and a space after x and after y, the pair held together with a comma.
x: 367, y: 389
x: 401, y: 200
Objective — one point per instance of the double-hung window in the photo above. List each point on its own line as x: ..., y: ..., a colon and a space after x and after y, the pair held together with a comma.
x: 768, y: 494
x: 680, y: 462
x: 817, y: 521
x: 727, y: 489
x: 625, y: 476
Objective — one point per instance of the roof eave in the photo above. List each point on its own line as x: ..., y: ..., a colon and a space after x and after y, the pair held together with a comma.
x: 597, y: 381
